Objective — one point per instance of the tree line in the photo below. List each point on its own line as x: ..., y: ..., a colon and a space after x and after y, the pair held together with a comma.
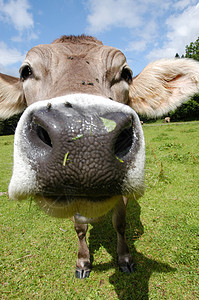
x: 8, y: 126
x: 186, y: 112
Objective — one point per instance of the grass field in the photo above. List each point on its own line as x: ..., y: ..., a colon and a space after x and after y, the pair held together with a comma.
x: 38, y: 252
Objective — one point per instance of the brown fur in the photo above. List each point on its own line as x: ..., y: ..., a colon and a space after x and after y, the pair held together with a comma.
x: 11, y: 96
x: 77, y: 39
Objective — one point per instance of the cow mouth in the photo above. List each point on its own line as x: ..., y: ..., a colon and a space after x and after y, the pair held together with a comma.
x: 68, y: 206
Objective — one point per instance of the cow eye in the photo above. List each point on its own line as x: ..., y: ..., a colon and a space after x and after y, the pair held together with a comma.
x: 127, y: 75
x: 25, y: 72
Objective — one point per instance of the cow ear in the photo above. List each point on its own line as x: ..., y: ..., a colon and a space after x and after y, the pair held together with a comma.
x: 164, y: 85
x: 12, y: 99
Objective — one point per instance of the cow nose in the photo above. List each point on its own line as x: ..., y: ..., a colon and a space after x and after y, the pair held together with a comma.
x: 80, y: 152
x: 114, y: 127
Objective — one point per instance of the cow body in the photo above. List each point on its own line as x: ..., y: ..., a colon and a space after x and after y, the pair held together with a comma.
x: 79, y: 145
x: 167, y: 120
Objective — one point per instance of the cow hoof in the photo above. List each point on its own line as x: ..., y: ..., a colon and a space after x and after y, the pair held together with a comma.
x: 128, y: 268
x: 81, y: 274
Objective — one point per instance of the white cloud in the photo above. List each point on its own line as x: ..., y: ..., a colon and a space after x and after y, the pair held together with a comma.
x: 9, y: 56
x: 106, y: 14
x: 20, y: 37
x: 112, y: 13
x: 142, y: 37
x: 12, y: 71
x: 182, y: 28
x: 17, y: 13
x: 182, y: 4
x: 138, y: 46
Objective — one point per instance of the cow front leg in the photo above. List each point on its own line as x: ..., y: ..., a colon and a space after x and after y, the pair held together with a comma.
x: 83, y: 266
x: 125, y: 260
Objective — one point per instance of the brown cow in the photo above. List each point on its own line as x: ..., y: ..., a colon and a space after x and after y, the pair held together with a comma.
x: 79, y: 145
x: 167, y: 120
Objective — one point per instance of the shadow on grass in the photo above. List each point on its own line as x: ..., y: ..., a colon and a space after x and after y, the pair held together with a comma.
x: 127, y: 286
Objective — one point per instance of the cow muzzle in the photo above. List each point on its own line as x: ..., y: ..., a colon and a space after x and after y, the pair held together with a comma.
x: 78, y: 150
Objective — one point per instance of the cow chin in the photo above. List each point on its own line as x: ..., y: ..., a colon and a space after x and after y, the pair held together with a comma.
x: 91, y: 208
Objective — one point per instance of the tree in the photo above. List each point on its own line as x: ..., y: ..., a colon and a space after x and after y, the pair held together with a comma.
x: 192, y: 51
x: 8, y: 126
x: 1, y: 127
x: 187, y: 111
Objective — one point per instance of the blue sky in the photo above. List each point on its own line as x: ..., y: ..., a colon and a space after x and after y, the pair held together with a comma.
x: 144, y: 30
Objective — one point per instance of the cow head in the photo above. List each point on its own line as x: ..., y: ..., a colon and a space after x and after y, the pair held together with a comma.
x: 79, y: 144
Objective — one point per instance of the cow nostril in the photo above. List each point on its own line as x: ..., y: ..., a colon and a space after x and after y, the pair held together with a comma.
x: 124, y: 142
x: 43, y: 135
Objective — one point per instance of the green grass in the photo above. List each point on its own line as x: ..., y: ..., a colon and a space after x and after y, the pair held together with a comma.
x: 38, y: 252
